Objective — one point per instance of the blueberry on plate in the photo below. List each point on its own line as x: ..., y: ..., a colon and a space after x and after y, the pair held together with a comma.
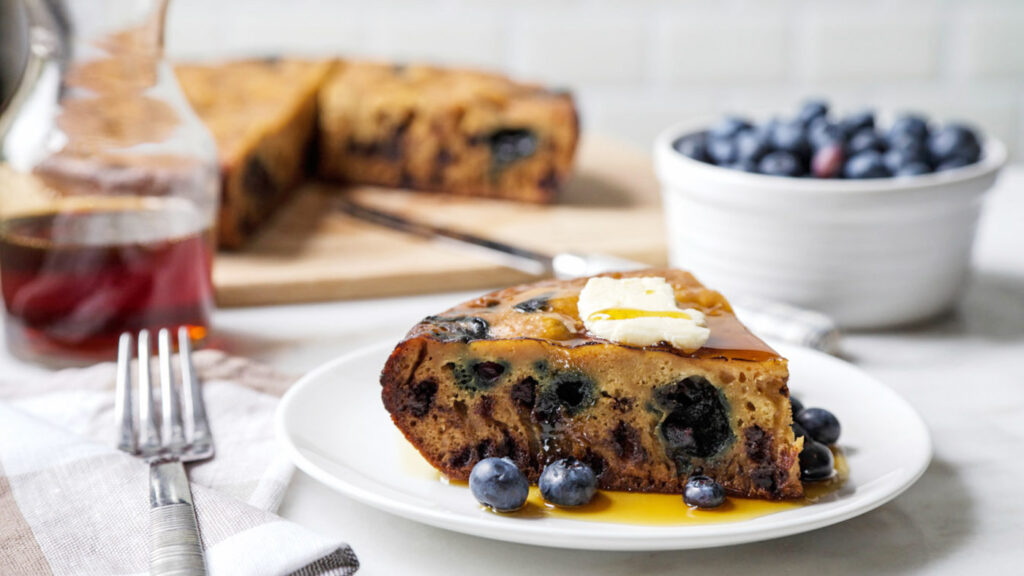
x: 865, y: 139
x: 912, y: 169
x: 827, y: 162
x: 853, y: 123
x: 728, y: 127
x: 913, y: 126
x: 791, y: 137
x: 498, y: 483
x: 954, y: 140
x: 811, y: 110
x: 703, y: 492
x: 821, y: 424
x: 867, y: 164
x: 816, y: 461
x: 722, y: 151
x: 567, y: 482
x: 798, y: 430
x: 780, y: 163
x: 693, y: 146
x: 796, y: 405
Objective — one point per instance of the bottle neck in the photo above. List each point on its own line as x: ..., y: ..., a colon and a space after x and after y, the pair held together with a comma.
x: 81, y: 30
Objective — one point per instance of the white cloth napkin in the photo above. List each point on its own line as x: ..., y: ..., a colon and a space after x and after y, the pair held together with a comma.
x: 70, y: 503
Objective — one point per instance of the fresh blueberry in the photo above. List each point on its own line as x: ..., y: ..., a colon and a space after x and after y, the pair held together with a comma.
x: 954, y: 140
x: 722, y: 151
x: 827, y: 162
x: 954, y: 162
x: 821, y: 424
x: 703, y: 492
x: 853, y: 123
x: 693, y: 146
x: 508, y: 146
x: 790, y: 137
x: 913, y: 169
x: 753, y: 144
x: 865, y: 139
x: 798, y: 430
x: 896, y: 158
x: 821, y: 133
x: 812, y: 109
x: 904, y: 141
x: 867, y: 164
x: 567, y: 482
x: 909, y: 125
x: 796, y: 405
x: 498, y: 483
x: 728, y: 127
x: 780, y: 163
x: 816, y: 461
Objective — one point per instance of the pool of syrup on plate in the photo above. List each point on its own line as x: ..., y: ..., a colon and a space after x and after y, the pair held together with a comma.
x: 648, y: 509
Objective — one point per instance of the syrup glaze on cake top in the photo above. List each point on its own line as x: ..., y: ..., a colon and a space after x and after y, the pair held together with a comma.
x: 547, y: 311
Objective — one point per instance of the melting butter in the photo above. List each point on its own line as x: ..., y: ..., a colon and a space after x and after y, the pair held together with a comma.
x: 640, y: 312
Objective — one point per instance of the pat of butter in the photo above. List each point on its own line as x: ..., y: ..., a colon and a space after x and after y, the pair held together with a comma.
x: 640, y: 312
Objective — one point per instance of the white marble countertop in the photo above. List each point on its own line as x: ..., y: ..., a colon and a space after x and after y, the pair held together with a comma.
x: 964, y: 373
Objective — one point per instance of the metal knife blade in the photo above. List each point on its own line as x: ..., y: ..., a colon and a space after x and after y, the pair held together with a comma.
x: 522, y: 259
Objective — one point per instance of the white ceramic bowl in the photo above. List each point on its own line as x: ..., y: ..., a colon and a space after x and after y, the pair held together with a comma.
x: 869, y: 253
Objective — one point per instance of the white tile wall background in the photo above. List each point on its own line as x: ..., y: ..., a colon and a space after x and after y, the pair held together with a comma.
x: 639, y: 65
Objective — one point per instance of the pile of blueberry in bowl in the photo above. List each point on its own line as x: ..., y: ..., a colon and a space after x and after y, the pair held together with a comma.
x: 815, y: 144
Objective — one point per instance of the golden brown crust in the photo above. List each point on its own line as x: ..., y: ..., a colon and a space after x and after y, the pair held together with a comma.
x: 458, y: 131
x: 262, y: 113
x: 489, y: 379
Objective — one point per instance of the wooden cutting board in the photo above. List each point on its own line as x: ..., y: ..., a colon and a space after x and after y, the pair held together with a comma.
x: 313, y: 252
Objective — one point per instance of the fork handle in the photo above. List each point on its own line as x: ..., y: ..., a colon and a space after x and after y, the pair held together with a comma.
x: 174, y: 545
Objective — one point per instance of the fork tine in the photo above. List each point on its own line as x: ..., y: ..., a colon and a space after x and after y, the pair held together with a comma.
x: 172, y: 433
x: 123, y: 395
x: 150, y: 439
x: 195, y: 409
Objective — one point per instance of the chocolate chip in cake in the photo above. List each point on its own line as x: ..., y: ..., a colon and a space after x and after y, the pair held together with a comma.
x: 538, y: 304
x: 697, y: 424
x: 458, y: 328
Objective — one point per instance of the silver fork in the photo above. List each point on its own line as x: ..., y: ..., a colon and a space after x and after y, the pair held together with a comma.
x: 174, y: 545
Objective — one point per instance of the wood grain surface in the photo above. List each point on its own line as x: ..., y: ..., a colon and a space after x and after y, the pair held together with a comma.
x: 313, y: 252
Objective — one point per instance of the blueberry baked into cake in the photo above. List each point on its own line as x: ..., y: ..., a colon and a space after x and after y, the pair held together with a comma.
x: 458, y: 131
x: 648, y: 377
x: 262, y: 114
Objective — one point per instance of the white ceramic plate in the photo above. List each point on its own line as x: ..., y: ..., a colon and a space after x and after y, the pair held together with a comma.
x: 335, y: 429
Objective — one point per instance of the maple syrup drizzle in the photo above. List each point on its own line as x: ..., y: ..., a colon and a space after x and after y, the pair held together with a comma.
x: 630, y: 313
x: 646, y: 508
